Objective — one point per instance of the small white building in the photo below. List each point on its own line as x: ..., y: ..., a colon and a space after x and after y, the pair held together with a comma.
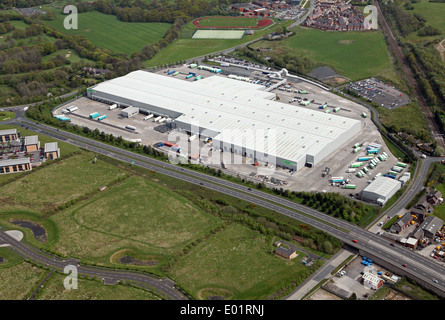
x: 404, y: 178
x: 129, y: 112
x: 372, y: 280
x: 381, y: 190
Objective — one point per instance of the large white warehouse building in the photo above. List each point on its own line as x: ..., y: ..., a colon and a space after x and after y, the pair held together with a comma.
x: 381, y: 190
x: 240, y: 117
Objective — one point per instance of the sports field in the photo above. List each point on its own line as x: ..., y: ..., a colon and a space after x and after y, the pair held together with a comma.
x: 106, y: 31
x: 218, y: 34
x: 231, y: 22
x: 186, y: 48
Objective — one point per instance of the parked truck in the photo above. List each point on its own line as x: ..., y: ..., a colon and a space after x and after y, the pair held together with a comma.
x: 94, y: 115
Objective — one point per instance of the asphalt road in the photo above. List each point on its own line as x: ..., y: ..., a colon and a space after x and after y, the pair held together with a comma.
x: 420, y: 266
x: 163, y: 287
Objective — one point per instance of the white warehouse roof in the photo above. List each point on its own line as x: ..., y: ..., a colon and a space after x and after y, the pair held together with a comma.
x: 381, y: 188
x: 218, y: 103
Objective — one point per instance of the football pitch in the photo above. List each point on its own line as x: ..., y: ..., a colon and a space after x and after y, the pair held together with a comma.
x: 218, y: 34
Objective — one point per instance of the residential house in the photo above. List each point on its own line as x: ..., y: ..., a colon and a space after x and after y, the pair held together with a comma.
x: 435, y: 198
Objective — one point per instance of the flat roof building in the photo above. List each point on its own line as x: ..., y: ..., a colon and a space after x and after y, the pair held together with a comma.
x: 240, y: 117
x: 372, y: 281
x: 381, y: 190
x: 31, y: 143
x: 129, y: 112
x: 15, y: 165
x: 51, y: 150
x: 8, y: 135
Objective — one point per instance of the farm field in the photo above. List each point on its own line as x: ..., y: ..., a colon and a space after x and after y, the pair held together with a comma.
x: 433, y: 13
x: 62, y: 181
x: 126, y: 37
x: 145, y: 221
x: 16, y: 282
x: 88, y: 289
x: 355, y: 55
x: 237, y: 263
x: 134, y: 213
x: 404, y: 119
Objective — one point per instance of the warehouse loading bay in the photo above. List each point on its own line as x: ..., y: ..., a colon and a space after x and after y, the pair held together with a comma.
x: 291, y: 91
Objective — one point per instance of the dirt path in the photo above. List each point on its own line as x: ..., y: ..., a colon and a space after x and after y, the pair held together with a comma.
x: 441, y: 48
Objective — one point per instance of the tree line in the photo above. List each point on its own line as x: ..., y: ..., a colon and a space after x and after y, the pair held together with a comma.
x: 9, y: 4
x: 293, y: 63
x: 422, y: 57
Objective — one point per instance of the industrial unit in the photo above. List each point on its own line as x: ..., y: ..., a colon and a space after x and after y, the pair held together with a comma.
x: 240, y: 117
x: 8, y: 135
x: 381, y: 190
x: 52, y: 150
x: 15, y: 165
x: 129, y: 112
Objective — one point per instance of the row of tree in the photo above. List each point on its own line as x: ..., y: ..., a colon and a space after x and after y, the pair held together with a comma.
x: 405, y: 22
x: 293, y: 63
x: 10, y: 4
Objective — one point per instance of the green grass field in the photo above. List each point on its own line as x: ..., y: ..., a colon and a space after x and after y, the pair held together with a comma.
x: 106, y: 31
x: 237, y: 263
x: 70, y: 55
x: 229, y: 22
x: 62, y: 181
x: 19, y: 24
x: 6, y: 115
x: 148, y: 217
x: 434, y: 14
x: 405, y: 119
x: 185, y: 47
x: 356, y: 55
x: 17, y: 282
x: 88, y: 289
